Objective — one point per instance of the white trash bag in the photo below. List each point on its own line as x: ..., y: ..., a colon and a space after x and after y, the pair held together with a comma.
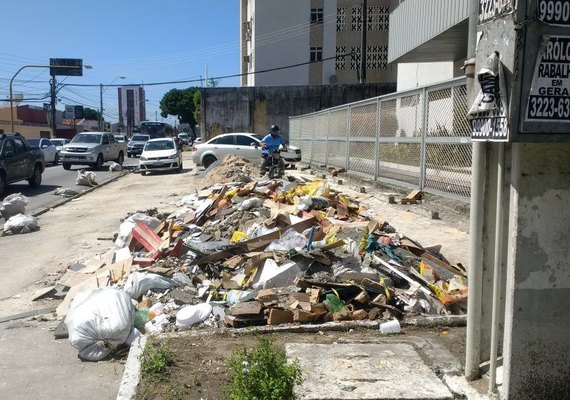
x: 21, y: 223
x: 65, y: 192
x: 115, y: 167
x: 13, y: 204
x: 86, y: 178
x: 127, y: 226
x: 138, y: 283
x: 98, y: 321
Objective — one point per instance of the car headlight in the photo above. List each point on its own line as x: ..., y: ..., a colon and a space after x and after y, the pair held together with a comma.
x: 173, y: 156
x: 142, y: 158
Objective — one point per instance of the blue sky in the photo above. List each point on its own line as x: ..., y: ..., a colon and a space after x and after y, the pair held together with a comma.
x: 142, y: 40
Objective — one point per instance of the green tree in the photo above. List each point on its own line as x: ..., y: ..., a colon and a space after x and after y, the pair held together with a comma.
x: 197, y: 98
x: 91, y: 114
x: 180, y: 103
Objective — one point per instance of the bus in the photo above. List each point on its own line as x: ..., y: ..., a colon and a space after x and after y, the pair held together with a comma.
x: 155, y: 129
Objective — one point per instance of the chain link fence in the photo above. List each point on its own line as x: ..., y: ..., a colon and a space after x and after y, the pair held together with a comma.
x: 419, y: 138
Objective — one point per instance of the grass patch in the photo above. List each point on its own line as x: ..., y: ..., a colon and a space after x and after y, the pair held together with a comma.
x: 262, y: 373
x: 155, y: 360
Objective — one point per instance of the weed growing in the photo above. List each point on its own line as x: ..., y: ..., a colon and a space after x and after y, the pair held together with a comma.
x: 155, y: 359
x: 262, y: 373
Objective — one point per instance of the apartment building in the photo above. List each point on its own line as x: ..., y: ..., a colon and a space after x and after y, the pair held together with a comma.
x: 314, y: 42
x: 132, y: 106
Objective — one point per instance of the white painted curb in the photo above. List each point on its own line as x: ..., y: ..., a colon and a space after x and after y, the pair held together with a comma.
x: 132, y: 372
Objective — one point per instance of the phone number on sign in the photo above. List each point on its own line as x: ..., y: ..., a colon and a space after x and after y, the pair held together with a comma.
x: 548, y: 107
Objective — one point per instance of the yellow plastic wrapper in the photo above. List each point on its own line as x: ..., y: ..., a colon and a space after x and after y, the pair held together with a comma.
x: 238, y: 236
x: 315, y: 188
x: 232, y: 192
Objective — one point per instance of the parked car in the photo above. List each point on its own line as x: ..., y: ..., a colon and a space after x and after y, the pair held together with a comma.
x: 136, y: 144
x: 59, y: 143
x: 184, y: 139
x: 239, y: 144
x: 19, y: 161
x: 121, y: 138
x: 160, y: 155
x: 94, y: 149
x: 47, y: 147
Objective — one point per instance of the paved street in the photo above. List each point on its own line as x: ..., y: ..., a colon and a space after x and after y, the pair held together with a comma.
x: 56, y: 177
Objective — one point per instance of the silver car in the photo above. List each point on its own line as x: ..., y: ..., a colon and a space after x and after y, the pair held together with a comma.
x: 246, y: 145
x: 51, y: 154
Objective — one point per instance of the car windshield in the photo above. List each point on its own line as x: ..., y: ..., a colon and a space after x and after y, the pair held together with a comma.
x: 58, y: 142
x: 159, y: 145
x: 86, y: 138
x: 119, y: 138
x: 140, y: 138
x: 34, y: 143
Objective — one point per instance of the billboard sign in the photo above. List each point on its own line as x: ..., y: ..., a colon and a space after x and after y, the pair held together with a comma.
x: 554, y: 12
x: 66, y: 66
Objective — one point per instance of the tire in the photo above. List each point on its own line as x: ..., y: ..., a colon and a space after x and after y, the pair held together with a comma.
x: 208, y: 160
x: 121, y: 158
x: 143, y: 173
x: 66, y: 166
x: 36, y: 179
x: 99, y: 163
x: 128, y: 155
x: 2, y: 185
x: 56, y: 159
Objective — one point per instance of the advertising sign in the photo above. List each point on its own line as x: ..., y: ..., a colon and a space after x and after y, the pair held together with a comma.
x: 549, y: 97
x: 66, y: 66
x: 491, y: 9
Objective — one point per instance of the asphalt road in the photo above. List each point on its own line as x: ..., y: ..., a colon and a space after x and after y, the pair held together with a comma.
x: 55, y: 177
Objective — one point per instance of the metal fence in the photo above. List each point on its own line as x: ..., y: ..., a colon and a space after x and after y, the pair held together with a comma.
x: 418, y: 138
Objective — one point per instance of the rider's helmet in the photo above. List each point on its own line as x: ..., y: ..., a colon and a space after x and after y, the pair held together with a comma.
x: 274, y: 130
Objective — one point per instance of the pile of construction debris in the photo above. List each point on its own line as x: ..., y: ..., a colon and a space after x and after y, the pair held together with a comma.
x: 246, y: 253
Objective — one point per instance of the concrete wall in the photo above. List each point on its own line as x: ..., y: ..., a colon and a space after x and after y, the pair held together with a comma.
x: 537, y: 329
x: 281, y: 38
x: 254, y: 109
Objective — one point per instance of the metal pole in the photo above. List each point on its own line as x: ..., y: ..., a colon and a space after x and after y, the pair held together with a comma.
x: 52, y: 109
x: 425, y: 123
x: 497, y: 271
x: 101, y: 107
x: 475, y: 273
x: 363, y: 43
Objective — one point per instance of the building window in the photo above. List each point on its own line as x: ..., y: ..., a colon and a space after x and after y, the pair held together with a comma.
x: 341, y: 19
x: 316, y: 15
x: 356, y: 21
x: 316, y: 54
x: 355, y: 57
x: 340, y: 61
x: 247, y: 30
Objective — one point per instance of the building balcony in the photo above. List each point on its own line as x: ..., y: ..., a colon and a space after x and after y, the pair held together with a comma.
x: 428, y: 31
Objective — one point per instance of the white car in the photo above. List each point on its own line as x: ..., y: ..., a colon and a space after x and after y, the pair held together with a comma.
x: 160, y: 155
x: 51, y: 154
x: 239, y: 144
x: 59, y: 143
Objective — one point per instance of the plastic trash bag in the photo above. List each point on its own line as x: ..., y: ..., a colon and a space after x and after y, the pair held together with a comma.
x: 250, y: 203
x: 102, y: 318
x: 115, y: 167
x: 138, y: 283
x: 21, y: 224
x: 86, y: 178
x: 67, y: 192
x: 312, y: 203
x: 127, y: 226
x: 181, y: 279
x: 13, y: 204
x: 291, y: 239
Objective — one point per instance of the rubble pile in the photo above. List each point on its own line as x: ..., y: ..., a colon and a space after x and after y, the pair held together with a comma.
x: 264, y: 252
x: 233, y: 168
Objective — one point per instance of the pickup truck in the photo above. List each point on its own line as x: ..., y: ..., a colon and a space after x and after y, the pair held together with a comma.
x: 18, y: 162
x: 94, y: 149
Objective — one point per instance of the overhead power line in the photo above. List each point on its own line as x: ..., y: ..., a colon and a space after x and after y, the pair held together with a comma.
x: 212, y: 78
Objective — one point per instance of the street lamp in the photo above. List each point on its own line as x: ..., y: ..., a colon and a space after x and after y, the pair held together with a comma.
x: 101, y: 100
x: 53, y: 85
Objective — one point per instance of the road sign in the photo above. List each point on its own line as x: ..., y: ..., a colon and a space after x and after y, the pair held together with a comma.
x: 74, y: 112
x: 66, y: 66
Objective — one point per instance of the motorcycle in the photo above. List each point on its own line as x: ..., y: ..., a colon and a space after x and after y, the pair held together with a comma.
x: 276, y: 165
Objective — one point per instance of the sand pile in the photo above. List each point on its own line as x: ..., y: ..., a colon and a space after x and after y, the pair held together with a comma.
x: 232, y: 169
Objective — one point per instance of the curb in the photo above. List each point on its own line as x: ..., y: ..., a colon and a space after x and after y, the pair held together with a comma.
x: 132, y: 372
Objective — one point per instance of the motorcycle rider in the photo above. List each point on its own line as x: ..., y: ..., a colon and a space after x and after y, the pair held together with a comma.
x: 269, y: 144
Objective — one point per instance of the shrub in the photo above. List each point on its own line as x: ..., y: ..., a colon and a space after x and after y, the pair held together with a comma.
x: 262, y: 373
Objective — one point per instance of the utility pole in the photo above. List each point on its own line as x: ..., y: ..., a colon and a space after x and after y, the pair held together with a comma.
x: 363, y: 43
x: 52, y: 107
x: 101, y: 107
